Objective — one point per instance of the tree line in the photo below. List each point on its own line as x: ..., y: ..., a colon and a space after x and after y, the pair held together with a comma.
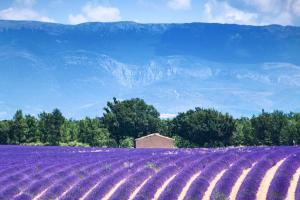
x: 124, y: 121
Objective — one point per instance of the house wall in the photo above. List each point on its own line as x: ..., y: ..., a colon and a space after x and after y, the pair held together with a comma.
x: 154, y: 142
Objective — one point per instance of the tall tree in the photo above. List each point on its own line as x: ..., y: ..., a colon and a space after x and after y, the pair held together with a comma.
x: 166, y: 127
x: 268, y: 126
x: 18, y: 128
x: 4, y: 132
x: 204, y: 127
x: 32, y: 134
x: 69, y: 131
x: 290, y: 134
x: 92, y: 132
x: 44, y: 125
x: 296, y: 118
x: 130, y: 118
x: 57, y: 121
x: 243, y: 133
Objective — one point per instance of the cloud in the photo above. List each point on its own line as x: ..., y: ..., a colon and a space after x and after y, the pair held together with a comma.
x: 263, y: 5
x: 258, y: 99
x: 284, y: 74
x: 167, y: 116
x: 179, y: 4
x: 88, y: 105
x: 252, y: 12
x: 77, y: 19
x: 278, y: 65
x: 291, y: 80
x: 23, y: 14
x: 254, y: 76
x: 221, y: 12
x: 2, y: 113
x: 296, y: 7
x: 101, y: 13
x: 92, y: 12
x: 22, y: 10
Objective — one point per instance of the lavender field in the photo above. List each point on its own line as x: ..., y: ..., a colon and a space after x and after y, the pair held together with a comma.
x: 107, y: 173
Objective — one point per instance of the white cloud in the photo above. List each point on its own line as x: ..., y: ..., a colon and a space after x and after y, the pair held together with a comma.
x: 291, y: 80
x: 88, y: 105
x: 179, y: 4
x: 92, y: 12
x: 252, y: 12
x: 2, y: 113
x: 77, y: 19
x: 167, y: 116
x: 278, y: 65
x: 22, y: 10
x: 102, y: 13
x: 296, y: 7
x: 260, y: 99
x: 221, y: 12
x: 254, y: 76
x: 264, y: 5
x: 23, y: 14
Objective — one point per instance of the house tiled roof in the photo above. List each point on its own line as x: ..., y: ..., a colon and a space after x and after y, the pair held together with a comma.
x: 155, y: 134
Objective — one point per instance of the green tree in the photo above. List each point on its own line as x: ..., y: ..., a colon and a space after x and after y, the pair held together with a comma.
x: 243, y: 133
x: 130, y: 118
x: 57, y: 121
x: 44, y: 125
x: 296, y: 118
x: 290, y: 134
x: 204, y: 127
x: 165, y: 128
x: 268, y: 126
x: 32, y: 134
x: 69, y: 131
x: 4, y: 132
x: 128, y: 142
x: 18, y: 128
x: 238, y: 137
x: 92, y: 132
x: 184, y: 143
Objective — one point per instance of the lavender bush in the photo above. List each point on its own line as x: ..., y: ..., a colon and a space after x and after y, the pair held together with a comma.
x: 69, y: 173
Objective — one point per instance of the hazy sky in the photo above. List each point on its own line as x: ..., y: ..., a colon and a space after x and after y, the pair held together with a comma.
x: 253, y: 12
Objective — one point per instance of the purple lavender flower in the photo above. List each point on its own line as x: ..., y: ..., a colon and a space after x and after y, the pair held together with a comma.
x: 69, y: 173
x: 281, y: 181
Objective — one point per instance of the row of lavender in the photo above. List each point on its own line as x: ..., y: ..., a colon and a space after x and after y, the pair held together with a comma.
x: 93, y: 173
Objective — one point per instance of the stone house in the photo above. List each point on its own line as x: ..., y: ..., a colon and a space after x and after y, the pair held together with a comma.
x: 154, y: 140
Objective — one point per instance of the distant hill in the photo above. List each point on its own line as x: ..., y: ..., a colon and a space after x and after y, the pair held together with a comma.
x: 234, y: 68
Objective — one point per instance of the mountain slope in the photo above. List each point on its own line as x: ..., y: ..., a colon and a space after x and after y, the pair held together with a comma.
x: 237, y: 69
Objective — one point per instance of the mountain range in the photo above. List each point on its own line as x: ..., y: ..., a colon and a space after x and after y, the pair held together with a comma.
x: 78, y: 68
